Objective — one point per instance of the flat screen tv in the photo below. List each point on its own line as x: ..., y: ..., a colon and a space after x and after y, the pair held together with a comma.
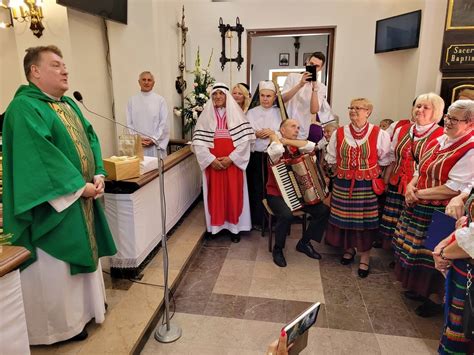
x: 114, y: 10
x: 398, y: 32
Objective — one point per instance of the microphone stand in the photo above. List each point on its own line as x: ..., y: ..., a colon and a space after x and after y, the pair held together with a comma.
x: 166, y: 332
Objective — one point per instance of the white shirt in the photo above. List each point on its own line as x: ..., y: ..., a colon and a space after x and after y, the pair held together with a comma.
x: 275, y: 150
x: 260, y: 118
x: 461, y: 175
x: 147, y: 113
x: 465, y: 239
x: 299, y: 105
x: 383, y: 145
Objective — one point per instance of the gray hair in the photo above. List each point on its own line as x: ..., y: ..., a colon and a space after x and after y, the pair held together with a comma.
x: 465, y: 106
x: 146, y: 72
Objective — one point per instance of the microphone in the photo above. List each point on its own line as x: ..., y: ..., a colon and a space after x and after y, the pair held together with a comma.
x: 78, y: 96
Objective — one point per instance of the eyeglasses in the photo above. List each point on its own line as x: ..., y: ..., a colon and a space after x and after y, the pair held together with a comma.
x: 454, y: 121
x: 356, y: 108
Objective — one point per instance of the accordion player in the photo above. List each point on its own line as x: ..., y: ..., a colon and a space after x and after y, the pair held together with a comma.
x: 300, y: 180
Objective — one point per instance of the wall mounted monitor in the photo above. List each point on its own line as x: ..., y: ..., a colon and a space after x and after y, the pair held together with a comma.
x: 114, y: 10
x: 398, y: 32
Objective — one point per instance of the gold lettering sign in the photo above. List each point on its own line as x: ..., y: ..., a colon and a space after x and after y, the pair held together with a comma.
x: 460, y: 54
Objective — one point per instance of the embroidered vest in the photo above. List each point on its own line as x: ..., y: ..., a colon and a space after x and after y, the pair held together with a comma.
x: 436, y: 164
x: 405, y: 149
x: 361, y: 162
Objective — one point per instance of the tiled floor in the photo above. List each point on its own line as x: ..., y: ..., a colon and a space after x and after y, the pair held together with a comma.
x: 234, y: 300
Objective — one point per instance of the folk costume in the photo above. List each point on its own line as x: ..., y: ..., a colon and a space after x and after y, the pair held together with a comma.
x: 407, y: 143
x: 359, y: 155
x: 453, y: 340
x: 219, y: 133
x: 260, y: 118
x: 447, y: 162
x: 147, y: 113
x: 50, y: 151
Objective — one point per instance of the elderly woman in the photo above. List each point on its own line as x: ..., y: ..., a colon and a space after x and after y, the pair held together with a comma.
x: 358, y: 150
x: 221, y: 142
x: 453, y: 257
x: 445, y: 170
x: 407, y: 143
x: 241, y: 95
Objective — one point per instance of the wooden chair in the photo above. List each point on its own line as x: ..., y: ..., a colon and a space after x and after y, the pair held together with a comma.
x: 300, y: 217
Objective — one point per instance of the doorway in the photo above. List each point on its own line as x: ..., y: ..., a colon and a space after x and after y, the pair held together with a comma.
x: 274, y: 53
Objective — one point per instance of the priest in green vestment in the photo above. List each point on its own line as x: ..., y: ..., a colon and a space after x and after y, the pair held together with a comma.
x: 52, y: 176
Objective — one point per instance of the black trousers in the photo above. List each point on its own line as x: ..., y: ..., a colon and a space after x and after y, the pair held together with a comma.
x: 256, y: 181
x: 317, y: 225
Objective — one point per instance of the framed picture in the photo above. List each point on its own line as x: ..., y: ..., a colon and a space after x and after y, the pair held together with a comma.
x: 306, y: 56
x: 460, y: 15
x: 284, y: 59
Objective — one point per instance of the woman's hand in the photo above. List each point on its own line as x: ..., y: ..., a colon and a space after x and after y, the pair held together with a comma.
x: 455, y: 207
x: 410, y: 195
x: 461, y: 222
x: 278, y: 347
x: 441, y: 264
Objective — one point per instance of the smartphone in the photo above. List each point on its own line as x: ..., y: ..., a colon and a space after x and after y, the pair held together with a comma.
x: 302, y: 323
x: 312, y: 69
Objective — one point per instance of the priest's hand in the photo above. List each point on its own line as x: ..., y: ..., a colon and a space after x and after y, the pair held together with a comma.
x: 99, y: 185
x: 89, y: 191
x: 217, y: 165
x: 225, y: 161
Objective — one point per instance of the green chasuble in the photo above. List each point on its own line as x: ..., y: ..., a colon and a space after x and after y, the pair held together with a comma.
x: 51, y: 150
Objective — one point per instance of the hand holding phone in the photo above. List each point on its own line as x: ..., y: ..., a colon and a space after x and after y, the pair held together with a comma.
x: 302, y: 323
x: 312, y: 70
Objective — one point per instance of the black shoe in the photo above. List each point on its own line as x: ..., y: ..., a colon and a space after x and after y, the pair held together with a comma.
x: 363, y: 273
x: 81, y: 336
x: 429, y: 309
x: 257, y: 227
x: 391, y: 265
x: 307, y: 248
x: 235, y: 238
x: 414, y: 296
x: 278, y: 257
x: 347, y: 261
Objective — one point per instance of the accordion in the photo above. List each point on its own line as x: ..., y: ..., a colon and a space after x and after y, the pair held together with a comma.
x: 301, y: 181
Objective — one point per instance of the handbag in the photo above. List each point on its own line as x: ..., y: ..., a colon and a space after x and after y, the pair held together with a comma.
x: 468, y: 313
x: 378, y: 185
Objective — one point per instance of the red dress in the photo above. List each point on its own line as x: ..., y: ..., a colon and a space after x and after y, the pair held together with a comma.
x: 225, y: 187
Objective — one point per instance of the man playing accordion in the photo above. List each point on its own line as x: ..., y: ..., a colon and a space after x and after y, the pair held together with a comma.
x: 285, y: 145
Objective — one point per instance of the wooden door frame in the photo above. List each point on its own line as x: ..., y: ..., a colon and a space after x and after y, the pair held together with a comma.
x: 265, y: 32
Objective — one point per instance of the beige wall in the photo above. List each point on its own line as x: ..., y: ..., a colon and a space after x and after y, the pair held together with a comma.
x: 150, y: 42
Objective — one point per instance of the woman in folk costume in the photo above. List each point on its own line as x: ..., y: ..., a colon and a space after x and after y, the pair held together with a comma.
x: 221, y: 142
x: 358, y: 150
x: 453, y: 257
x: 445, y: 170
x: 407, y: 143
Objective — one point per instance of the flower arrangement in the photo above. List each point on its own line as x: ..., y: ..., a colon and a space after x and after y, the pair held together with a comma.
x: 195, y: 100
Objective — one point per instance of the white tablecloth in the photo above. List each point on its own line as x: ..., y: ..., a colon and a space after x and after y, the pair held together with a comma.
x: 135, y: 219
x: 13, y: 332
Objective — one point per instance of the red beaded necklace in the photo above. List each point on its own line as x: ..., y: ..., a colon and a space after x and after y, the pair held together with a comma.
x: 359, y: 135
x: 421, y: 135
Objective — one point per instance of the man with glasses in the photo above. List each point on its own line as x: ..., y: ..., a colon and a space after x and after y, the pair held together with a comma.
x: 306, y: 99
